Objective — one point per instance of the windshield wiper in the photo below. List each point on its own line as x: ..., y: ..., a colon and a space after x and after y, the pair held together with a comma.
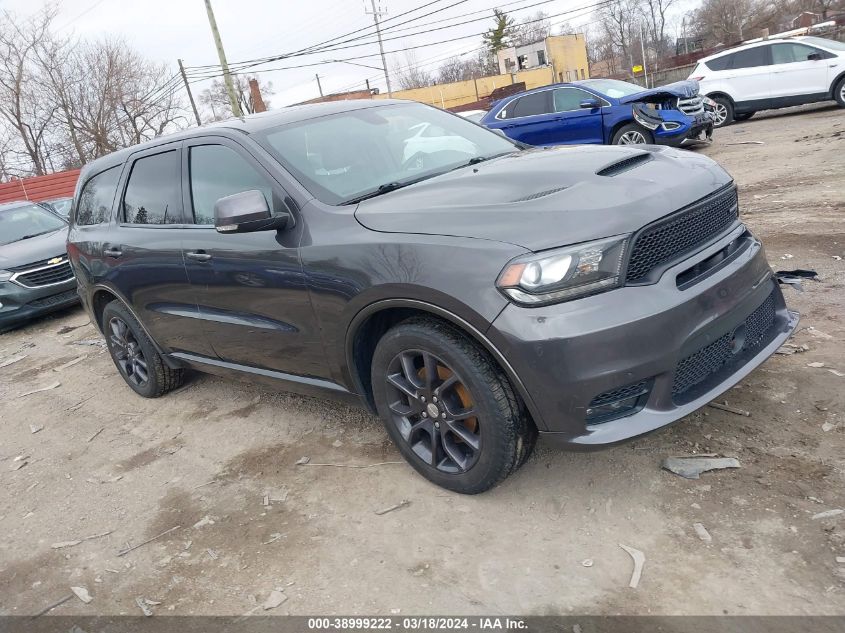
x: 479, y: 159
x: 26, y: 237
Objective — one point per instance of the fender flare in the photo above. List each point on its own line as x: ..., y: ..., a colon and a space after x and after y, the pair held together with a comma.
x: 461, y: 323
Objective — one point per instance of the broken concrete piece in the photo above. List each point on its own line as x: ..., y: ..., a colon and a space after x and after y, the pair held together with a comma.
x: 34, y: 428
x: 692, y: 467
x: 639, y: 562
x: 47, y: 388
x: 275, y: 599
x: 206, y: 520
x: 840, y: 559
x: 815, y: 365
x: 702, y: 532
x: 12, y: 360
x: 82, y: 594
x: 836, y: 372
x: 142, y: 605
x: 827, y: 514
x: 302, y: 461
x: 587, y: 562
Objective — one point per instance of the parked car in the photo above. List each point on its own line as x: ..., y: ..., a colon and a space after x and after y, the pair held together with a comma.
x: 603, y: 111
x: 471, y: 299
x: 771, y: 74
x: 35, y: 275
x: 473, y: 115
x: 58, y: 205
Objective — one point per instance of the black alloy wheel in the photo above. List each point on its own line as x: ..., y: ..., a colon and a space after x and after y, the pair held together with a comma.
x: 127, y: 353
x: 433, y: 411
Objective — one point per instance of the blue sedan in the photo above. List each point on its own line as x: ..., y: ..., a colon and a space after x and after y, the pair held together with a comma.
x: 603, y: 111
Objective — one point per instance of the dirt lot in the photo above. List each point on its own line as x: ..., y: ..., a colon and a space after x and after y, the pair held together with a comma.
x: 204, y: 459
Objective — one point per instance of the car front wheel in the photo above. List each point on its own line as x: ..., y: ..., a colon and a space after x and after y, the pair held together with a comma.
x: 633, y: 134
x: 448, y: 407
x: 134, y: 354
x: 839, y: 92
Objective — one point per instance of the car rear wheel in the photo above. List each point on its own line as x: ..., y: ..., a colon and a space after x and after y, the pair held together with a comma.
x: 744, y: 116
x: 723, y: 112
x: 134, y: 354
x: 632, y: 134
x: 448, y: 407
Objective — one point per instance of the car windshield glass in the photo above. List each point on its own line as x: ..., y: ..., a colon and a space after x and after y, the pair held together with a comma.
x: 824, y: 43
x: 613, y: 87
x: 344, y: 157
x: 23, y: 222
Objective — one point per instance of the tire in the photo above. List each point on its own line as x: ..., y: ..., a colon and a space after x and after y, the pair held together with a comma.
x: 131, y: 350
x: 724, y: 114
x: 744, y: 116
x: 487, y: 446
x: 627, y: 135
x: 839, y: 92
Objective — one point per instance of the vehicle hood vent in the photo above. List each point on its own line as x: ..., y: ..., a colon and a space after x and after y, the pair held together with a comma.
x: 539, y: 194
x: 614, y: 169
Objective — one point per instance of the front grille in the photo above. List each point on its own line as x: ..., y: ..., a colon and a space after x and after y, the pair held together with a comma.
x: 38, y: 264
x: 692, y: 106
x: 710, y: 359
x: 681, y: 234
x: 45, y: 276
x: 54, y: 300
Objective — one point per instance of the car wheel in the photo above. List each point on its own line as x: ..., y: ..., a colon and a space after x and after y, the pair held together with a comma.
x: 839, y: 92
x: 744, y: 116
x: 448, y: 407
x: 633, y: 134
x: 723, y: 112
x: 135, y: 356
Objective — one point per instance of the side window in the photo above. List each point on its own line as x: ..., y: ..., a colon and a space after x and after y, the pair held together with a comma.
x: 154, y: 192
x: 791, y: 52
x: 218, y: 171
x: 569, y: 99
x: 720, y: 63
x: 533, y: 104
x: 751, y: 58
x: 95, y: 201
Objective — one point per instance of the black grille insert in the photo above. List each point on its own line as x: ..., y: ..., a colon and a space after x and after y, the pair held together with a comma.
x: 713, y: 357
x: 681, y: 233
x: 624, y: 165
x: 46, y: 276
x: 54, y: 300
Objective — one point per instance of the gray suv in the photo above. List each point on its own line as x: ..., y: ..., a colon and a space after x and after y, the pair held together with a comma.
x: 471, y: 291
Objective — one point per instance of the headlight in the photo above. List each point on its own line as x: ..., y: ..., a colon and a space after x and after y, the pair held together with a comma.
x: 564, y: 273
x: 5, y: 275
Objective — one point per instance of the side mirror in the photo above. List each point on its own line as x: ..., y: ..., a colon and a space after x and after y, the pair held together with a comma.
x: 246, y: 212
x: 589, y: 104
x: 814, y: 56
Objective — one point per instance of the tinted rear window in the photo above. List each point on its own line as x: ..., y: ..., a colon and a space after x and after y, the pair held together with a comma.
x: 154, y: 192
x: 750, y: 58
x: 720, y: 63
x: 531, y: 105
x: 96, y: 199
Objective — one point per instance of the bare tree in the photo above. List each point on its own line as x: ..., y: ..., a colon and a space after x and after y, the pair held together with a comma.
x: 411, y: 74
x: 656, y: 12
x: 457, y: 69
x: 532, y: 29
x: 20, y: 104
x: 216, y: 98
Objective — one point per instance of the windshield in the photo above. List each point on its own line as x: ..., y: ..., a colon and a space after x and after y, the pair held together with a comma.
x: 824, y: 43
x: 613, y: 87
x: 19, y: 223
x: 343, y: 157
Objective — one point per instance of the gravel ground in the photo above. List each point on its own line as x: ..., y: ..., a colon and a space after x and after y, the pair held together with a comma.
x: 217, y: 462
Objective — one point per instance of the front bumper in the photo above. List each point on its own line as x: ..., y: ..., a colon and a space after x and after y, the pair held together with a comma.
x: 566, y: 355
x: 689, y: 128
x: 19, y: 304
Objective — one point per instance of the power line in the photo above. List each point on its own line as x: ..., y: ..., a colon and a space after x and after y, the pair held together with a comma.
x: 85, y: 12
x: 407, y: 48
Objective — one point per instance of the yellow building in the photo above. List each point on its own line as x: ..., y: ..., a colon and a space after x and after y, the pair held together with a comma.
x: 566, y: 55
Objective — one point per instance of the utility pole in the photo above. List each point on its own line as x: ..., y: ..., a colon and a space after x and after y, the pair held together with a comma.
x: 686, y: 41
x: 319, y: 87
x: 227, y: 78
x: 642, y: 45
x: 376, y: 14
x: 190, y: 95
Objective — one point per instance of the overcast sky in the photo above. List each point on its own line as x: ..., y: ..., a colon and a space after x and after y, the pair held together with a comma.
x: 165, y: 30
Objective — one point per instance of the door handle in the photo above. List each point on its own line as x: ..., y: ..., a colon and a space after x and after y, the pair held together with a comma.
x: 112, y: 252
x: 199, y: 256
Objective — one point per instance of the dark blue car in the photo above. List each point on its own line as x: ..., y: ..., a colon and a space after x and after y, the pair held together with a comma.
x: 603, y: 111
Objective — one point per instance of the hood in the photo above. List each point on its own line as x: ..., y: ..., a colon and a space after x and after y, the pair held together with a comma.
x: 34, y: 249
x: 683, y: 89
x: 540, y: 199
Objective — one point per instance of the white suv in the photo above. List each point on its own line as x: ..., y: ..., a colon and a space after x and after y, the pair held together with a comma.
x: 774, y: 73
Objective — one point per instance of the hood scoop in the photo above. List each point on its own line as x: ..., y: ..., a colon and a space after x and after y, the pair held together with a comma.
x: 539, y: 194
x: 614, y: 169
